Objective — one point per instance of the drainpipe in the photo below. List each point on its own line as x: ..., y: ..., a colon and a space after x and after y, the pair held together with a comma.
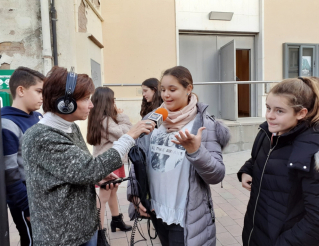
x: 46, y: 37
x: 53, y: 21
x: 4, y: 226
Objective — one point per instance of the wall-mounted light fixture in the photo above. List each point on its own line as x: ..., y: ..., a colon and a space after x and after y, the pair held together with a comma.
x: 225, y: 16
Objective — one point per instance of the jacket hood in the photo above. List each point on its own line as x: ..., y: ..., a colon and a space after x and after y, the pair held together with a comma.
x: 11, y: 111
x: 222, y: 131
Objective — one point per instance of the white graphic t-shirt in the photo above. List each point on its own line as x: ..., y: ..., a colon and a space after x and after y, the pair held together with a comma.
x: 168, y: 174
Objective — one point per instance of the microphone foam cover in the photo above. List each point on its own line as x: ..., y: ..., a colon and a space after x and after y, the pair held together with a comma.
x: 163, y: 112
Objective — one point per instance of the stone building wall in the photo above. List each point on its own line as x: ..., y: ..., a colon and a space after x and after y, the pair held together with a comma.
x: 20, y: 34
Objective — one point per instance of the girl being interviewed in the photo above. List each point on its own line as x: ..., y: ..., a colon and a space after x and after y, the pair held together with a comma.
x: 183, y: 157
x: 282, y: 173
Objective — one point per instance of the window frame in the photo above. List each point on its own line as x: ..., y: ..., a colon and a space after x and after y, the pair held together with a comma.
x: 300, y: 46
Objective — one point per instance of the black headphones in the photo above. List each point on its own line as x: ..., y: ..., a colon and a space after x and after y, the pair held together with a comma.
x: 66, y: 104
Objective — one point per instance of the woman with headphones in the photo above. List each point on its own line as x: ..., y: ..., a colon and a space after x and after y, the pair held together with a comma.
x: 60, y: 170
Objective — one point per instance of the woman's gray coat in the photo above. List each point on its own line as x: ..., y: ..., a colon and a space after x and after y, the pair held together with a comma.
x: 207, y: 167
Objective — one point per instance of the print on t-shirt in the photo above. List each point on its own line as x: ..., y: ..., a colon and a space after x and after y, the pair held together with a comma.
x: 165, y: 155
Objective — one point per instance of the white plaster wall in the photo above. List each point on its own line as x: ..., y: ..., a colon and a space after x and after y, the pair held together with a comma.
x: 75, y: 48
x: 194, y: 15
x: 85, y: 51
x: 131, y: 107
x: 20, y: 21
x: 66, y: 38
x: 94, y: 25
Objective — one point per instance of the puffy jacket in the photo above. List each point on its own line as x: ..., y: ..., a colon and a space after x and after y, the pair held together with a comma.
x: 207, y: 167
x: 115, y: 131
x: 283, y: 208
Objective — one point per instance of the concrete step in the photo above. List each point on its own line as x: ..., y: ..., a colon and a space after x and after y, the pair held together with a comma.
x: 243, y: 132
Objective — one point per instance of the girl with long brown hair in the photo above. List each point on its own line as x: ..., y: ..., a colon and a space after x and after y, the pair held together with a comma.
x: 151, y: 96
x: 106, y: 124
x: 183, y: 157
x: 282, y: 173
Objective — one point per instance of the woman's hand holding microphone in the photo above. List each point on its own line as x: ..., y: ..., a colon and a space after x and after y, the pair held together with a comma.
x: 143, y: 126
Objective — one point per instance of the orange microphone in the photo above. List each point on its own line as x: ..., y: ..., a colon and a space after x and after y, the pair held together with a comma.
x: 163, y: 112
x: 158, y: 117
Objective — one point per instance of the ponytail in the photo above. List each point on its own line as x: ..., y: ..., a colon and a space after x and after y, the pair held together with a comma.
x: 313, y: 114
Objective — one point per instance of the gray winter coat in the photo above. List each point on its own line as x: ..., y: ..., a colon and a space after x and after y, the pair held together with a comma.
x: 207, y: 167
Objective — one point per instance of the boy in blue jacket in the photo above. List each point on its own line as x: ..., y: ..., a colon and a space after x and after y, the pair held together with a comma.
x: 26, y: 90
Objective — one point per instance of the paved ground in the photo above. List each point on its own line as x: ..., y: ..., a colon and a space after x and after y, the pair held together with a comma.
x: 229, y: 206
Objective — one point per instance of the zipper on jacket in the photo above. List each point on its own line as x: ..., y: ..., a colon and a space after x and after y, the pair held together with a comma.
x: 261, y: 179
x: 211, y: 210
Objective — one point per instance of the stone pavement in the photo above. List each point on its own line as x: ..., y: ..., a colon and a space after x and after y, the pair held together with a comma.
x: 229, y: 205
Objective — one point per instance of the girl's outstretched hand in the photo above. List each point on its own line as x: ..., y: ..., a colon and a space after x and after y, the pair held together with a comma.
x: 246, y: 180
x: 189, y: 141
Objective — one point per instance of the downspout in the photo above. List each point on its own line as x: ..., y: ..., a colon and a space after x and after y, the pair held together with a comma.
x: 46, y: 37
x: 53, y: 21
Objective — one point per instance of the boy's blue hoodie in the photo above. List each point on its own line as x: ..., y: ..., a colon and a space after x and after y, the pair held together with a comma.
x: 14, y: 124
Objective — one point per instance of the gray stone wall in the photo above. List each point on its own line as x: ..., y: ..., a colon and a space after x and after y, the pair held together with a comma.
x: 20, y: 34
x: 243, y: 133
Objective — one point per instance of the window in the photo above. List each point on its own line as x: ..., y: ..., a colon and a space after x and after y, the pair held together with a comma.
x: 300, y: 60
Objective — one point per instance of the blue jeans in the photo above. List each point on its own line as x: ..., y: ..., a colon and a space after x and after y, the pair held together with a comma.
x: 92, y: 241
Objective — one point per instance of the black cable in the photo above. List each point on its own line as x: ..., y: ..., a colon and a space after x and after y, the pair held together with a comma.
x: 136, y: 204
x: 99, y: 220
x: 149, y: 231
x: 135, y: 191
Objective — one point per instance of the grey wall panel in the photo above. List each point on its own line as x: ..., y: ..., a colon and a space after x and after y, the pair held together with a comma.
x: 246, y: 42
x: 229, y: 95
x: 199, y: 54
x: 96, y: 73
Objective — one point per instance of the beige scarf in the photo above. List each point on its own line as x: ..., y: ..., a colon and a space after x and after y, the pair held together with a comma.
x: 175, y: 121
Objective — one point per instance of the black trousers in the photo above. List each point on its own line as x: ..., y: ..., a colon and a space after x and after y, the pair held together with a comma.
x: 22, y: 224
x: 169, y: 235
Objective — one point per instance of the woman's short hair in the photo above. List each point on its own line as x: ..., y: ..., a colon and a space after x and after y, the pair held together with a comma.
x: 54, y: 88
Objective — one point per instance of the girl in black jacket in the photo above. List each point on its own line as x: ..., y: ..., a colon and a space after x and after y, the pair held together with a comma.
x: 282, y: 173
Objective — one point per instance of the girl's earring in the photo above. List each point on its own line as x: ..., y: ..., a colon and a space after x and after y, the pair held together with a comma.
x: 187, y: 94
